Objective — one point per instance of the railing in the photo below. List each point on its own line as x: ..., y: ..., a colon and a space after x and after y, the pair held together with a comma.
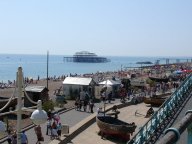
x: 167, y: 109
x: 172, y: 135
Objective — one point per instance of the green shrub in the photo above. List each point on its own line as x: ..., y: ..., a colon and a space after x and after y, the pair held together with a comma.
x: 150, y: 82
x: 48, y: 105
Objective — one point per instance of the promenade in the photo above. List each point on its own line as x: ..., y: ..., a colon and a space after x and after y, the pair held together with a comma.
x: 75, y: 119
x: 70, y: 117
x: 90, y: 134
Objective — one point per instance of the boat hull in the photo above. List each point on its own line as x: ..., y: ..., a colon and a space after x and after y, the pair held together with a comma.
x: 157, y: 79
x: 114, y: 127
x: 154, y: 101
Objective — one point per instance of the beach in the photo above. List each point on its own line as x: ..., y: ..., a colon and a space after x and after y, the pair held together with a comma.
x: 55, y: 84
x: 52, y: 85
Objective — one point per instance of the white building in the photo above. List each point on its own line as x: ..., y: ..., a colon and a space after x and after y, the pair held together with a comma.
x: 72, y: 86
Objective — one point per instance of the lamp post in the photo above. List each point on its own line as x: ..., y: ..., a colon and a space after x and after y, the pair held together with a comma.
x: 19, y: 103
x: 38, y: 117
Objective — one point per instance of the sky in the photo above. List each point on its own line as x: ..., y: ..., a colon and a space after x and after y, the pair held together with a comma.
x: 105, y: 27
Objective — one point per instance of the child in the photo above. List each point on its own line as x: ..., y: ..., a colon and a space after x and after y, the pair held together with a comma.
x: 54, y: 130
x: 59, y: 127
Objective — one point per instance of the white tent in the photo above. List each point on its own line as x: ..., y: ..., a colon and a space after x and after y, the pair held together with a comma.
x: 109, y: 83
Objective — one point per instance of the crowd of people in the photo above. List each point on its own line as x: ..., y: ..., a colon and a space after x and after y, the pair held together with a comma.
x: 86, y: 105
x: 54, y: 128
x: 85, y: 102
x: 12, y: 137
x: 53, y: 125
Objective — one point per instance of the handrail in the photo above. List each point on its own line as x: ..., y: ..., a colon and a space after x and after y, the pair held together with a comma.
x: 172, y: 134
x: 9, y: 101
x: 160, y: 115
x: 33, y: 102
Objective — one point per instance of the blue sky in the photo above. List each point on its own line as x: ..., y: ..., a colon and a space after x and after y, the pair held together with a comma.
x: 105, y: 27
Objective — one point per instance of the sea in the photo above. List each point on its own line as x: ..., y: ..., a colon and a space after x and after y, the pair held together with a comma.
x: 54, y: 65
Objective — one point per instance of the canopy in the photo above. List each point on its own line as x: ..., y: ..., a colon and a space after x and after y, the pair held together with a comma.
x: 109, y: 82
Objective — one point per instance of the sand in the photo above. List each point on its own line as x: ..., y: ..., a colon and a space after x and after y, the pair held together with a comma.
x: 52, y: 86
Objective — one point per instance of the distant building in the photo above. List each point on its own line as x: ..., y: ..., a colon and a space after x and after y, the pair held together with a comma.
x: 86, y: 57
x: 35, y: 93
x: 72, y: 86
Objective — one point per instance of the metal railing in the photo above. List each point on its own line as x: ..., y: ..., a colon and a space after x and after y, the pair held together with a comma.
x: 166, y: 109
x: 172, y: 135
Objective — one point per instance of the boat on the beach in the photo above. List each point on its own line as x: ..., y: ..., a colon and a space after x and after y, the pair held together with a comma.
x: 159, y: 79
x: 114, y: 127
x: 138, y: 82
x: 4, y: 101
x: 86, y: 57
x: 160, y: 95
x: 155, y: 101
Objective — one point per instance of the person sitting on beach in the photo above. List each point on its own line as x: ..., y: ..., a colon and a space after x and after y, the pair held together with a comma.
x: 150, y: 112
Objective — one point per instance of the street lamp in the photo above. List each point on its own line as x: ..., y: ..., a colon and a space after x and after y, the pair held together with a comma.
x: 38, y: 117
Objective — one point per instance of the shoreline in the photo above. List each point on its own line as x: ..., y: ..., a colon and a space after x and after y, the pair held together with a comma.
x: 55, y: 82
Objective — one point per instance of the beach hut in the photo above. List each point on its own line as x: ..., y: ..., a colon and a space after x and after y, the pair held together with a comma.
x: 72, y: 86
x: 35, y: 93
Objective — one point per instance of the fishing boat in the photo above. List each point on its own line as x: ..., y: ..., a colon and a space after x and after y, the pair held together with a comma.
x: 154, y: 101
x: 159, y: 79
x: 160, y: 95
x: 114, y: 127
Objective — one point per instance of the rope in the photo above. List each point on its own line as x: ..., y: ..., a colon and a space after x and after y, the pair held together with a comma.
x: 10, y: 99
x: 28, y: 96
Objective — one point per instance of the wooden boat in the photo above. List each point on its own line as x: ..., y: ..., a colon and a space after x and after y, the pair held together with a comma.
x: 159, y: 79
x: 154, y: 101
x: 114, y: 127
x: 4, y: 101
x: 161, y: 95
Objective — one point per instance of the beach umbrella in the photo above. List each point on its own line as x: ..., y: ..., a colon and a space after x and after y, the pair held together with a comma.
x: 177, y: 72
x: 109, y: 83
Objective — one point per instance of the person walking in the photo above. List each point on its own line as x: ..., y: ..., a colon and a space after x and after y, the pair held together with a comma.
x: 59, y: 127
x: 91, y: 105
x: 9, y: 137
x: 24, y: 139
x: 54, y: 130
x: 14, y: 137
x: 48, y: 132
x: 39, y: 134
